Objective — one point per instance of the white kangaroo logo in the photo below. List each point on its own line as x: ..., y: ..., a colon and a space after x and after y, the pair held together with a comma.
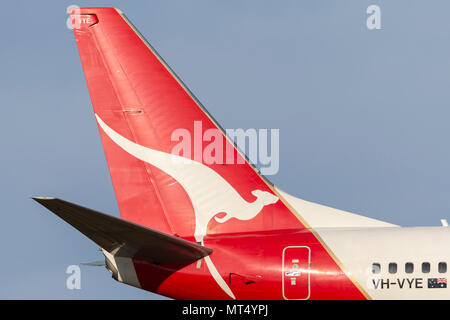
x: 210, y: 194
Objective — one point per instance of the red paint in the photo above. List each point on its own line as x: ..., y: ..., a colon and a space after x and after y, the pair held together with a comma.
x: 138, y: 97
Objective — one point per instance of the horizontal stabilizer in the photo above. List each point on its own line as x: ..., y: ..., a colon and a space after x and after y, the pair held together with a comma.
x: 123, y: 237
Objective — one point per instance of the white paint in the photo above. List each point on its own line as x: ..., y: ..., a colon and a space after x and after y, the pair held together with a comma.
x: 358, y: 248
x: 293, y: 280
x: 320, y: 216
x: 358, y: 242
x: 215, y: 274
x: 124, y: 266
x: 210, y: 194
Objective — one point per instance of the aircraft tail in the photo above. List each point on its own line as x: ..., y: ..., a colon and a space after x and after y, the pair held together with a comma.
x: 153, y: 131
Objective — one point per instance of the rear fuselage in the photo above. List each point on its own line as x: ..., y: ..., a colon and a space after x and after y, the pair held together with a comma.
x: 374, y: 263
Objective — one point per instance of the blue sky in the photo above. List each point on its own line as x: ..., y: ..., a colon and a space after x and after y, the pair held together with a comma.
x: 363, y: 115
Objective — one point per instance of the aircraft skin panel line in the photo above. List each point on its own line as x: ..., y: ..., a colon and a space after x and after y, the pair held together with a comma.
x: 196, y: 229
